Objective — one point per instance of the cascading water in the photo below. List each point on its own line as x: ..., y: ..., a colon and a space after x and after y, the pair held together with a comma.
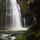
x: 16, y: 16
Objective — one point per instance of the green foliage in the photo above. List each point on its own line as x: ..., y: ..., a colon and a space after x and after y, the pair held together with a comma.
x: 21, y: 36
x: 33, y: 36
x: 29, y: 36
x: 24, y: 7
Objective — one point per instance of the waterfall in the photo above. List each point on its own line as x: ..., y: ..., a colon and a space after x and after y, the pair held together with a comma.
x: 16, y: 17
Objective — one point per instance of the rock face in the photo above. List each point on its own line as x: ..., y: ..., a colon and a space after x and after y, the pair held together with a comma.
x: 3, y: 15
x: 2, y: 12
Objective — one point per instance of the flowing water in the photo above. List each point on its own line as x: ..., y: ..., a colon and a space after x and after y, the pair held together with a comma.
x: 16, y: 17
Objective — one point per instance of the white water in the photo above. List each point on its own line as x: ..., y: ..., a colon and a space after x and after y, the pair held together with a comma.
x: 16, y: 16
